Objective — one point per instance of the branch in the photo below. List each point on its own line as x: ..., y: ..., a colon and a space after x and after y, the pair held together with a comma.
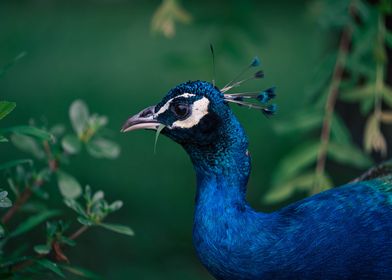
x: 27, y: 192
x: 56, y: 248
x: 333, y: 93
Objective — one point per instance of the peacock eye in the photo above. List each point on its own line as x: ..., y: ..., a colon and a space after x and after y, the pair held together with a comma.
x: 182, y: 111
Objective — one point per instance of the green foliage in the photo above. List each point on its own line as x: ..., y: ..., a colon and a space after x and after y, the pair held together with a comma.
x: 88, y: 128
x: 363, y: 26
x: 53, y: 149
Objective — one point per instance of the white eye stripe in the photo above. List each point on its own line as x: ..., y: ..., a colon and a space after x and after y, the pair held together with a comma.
x: 199, y: 110
x: 167, y: 104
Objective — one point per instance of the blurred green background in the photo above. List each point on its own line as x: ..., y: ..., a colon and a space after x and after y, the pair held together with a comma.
x: 105, y: 53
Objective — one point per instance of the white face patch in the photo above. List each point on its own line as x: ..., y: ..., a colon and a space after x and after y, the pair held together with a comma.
x: 167, y: 104
x: 199, y: 110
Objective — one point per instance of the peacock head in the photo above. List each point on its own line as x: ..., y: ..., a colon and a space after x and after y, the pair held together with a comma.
x: 198, y: 113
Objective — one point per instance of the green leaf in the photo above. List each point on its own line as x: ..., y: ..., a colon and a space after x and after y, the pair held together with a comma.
x: 358, y: 94
x: 103, y: 148
x: 300, y: 122
x: 366, y: 106
x: 85, y: 221
x: 74, y: 205
x: 68, y: 241
x: 28, y: 144
x: 71, y: 144
x: 31, y: 131
x: 80, y: 272
x: 14, y: 163
x: 339, y: 131
x: 116, y: 205
x: 296, y: 161
x: 33, y: 221
x: 99, y: 195
x: 79, y: 115
x: 51, y: 266
x: 118, y: 228
x: 284, y: 191
x: 6, y: 108
x: 68, y: 185
x: 348, y: 154
x: 5, y: 202
x: 42, y: 249
x: 3, y: 139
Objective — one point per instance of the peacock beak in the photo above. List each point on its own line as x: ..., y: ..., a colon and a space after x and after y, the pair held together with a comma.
x: 143, y: 120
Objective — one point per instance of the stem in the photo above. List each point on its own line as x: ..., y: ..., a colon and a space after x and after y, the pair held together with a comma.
x: 333, y: 93
x: 77, y: 233
x: 27, y: 263
x: 379, y: 84
x: 27, y: 192
x: 19, y: 202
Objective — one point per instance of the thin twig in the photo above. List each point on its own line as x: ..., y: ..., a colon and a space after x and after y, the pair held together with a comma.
x: 27, y: 192
x: 29, y: 262
x: 77, y: 233
x: 333, y: 93
x: 18, y: 203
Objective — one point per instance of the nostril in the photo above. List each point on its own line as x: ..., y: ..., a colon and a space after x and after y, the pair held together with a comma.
x: 147, y: 113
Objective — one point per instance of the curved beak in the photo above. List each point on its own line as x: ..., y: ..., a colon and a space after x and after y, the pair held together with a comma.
x: 143, y: 120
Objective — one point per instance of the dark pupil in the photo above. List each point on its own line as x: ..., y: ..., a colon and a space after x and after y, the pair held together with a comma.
x: 181, y: 110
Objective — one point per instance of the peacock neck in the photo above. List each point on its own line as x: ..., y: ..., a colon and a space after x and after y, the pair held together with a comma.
x: 223, y: 167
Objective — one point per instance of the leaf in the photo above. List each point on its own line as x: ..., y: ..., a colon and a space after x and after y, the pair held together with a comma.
x: 339, y: 131
x: 14, y: 163
x: 51, y: 266
x: 366, y: 106
x: 31, y: 131
x: 42, y: 249
x: 5, y: 202
x: 79, y: 115
x: 68, y: 185
x: 3, y: 139
x: 304, y: 182
x: 84, y: 221
x: 116, y: 205
x: 80, y: 272
x: 348, y: 154
x: 74, y: 205
x: 358, y: 94
x: 284, y: 191
x: 103, y: 148
x: 33, y: 221
x: 302, y: 121
x: 71, y: 144
x: 6, y: 108
x: 27, y: 144
x: 296, y: 161
x: 97, y: 197
x: 118, y: 228
x: 68, y: 241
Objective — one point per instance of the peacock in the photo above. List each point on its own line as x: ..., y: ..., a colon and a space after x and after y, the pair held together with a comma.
x: 342, y: 233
